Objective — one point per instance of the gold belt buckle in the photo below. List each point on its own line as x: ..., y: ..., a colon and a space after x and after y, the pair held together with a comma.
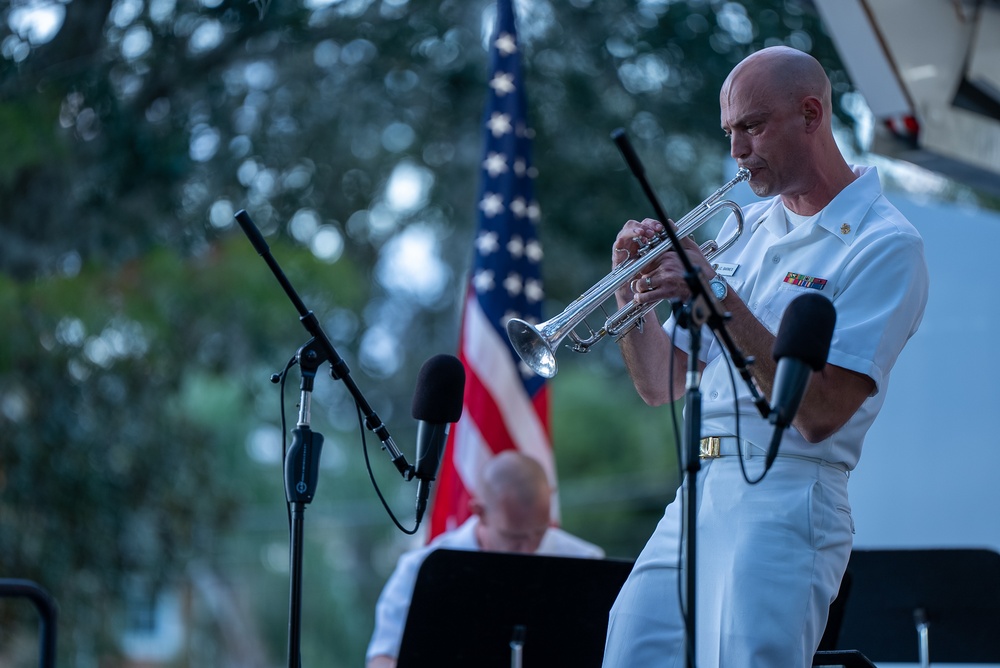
x: 709, y: 447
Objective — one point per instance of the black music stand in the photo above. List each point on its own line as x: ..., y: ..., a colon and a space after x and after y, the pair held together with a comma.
x: 845, y: 658
x: 940, y: 603
x: 827, y: 655
x: 472, y: 608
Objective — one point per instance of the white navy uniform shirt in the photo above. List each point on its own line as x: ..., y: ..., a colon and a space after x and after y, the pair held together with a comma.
x: 859, y: 252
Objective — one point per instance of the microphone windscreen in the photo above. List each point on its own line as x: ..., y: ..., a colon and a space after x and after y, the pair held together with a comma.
x: 806, y: 330
x: 440, y: 388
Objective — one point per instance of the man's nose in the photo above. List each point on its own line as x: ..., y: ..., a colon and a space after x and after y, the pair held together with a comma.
x: 739, y: 147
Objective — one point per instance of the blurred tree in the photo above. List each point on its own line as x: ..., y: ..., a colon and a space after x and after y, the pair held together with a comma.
x: 139, y: 438
x: 125, y: 399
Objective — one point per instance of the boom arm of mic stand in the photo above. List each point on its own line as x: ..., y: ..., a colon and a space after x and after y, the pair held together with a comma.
x: 338, y: 368
x: 699, y: 293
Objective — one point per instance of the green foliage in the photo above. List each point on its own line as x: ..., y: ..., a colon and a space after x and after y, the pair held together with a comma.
x: 124, y: 414
x: 616, y: 456
x: 26, y: 143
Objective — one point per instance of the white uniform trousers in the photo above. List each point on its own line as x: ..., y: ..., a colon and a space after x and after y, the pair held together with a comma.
x: 770, y: 558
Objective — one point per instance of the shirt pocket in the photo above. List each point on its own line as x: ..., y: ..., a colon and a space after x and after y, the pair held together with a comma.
x: 774, y: 306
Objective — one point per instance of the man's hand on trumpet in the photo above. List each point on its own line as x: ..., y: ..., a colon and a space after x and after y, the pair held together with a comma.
x: 662, y: 279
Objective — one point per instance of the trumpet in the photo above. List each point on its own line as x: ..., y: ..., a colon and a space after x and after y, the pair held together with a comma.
x: 536, y: 344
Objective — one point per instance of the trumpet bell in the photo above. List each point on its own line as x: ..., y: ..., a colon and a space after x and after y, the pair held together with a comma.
x: 533, y: 348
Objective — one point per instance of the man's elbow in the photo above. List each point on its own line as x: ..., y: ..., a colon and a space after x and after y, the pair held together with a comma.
x: 655, y: 397
x: 829, y: 406
x: 816, y: 434
x: 820, y: 427
x: 381, y: 661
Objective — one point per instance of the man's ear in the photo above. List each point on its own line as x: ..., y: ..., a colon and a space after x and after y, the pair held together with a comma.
x: 812, y: 113
x: 477, y: 508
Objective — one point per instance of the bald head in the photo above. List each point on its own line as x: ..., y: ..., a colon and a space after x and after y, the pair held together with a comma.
x: 513, y: 502
x: 513, y: 477
x: 776, y: 108
x: 784, y: 74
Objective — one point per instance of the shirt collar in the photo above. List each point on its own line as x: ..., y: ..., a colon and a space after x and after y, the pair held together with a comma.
x: 842, y: 216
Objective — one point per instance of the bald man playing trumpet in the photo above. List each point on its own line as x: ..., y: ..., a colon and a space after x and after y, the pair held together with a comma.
x: 770, y: 555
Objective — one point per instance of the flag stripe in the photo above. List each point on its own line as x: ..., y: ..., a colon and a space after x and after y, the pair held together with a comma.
x: 484, y: 413
x: 488, y: 359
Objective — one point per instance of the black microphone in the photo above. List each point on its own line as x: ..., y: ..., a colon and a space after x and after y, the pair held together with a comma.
x: 437, y: 402
x: 801, y: 347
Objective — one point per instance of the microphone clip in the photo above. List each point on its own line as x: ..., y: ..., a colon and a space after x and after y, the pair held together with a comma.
x: 302, y: 465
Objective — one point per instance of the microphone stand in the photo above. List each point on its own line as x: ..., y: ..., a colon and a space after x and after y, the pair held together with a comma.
x: 338, y: 368
x: 302, y: 460
x: 692, y: 319
x: 301, y: 473
x: 702, y: 308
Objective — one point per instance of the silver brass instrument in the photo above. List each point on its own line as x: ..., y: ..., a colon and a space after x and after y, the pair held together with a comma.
x: 537, y: 344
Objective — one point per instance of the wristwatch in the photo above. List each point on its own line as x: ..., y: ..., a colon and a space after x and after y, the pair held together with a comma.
x: 719, y: 288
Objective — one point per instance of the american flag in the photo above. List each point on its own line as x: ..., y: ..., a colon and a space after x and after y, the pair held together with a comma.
x: 506, y: 405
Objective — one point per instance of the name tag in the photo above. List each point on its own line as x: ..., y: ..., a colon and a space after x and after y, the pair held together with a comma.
x: 725, y: 269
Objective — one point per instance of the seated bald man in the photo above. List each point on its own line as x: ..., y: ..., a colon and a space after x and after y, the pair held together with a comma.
x: 510, y: 513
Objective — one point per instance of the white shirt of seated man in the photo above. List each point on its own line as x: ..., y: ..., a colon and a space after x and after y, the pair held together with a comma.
x: 511, y: 512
